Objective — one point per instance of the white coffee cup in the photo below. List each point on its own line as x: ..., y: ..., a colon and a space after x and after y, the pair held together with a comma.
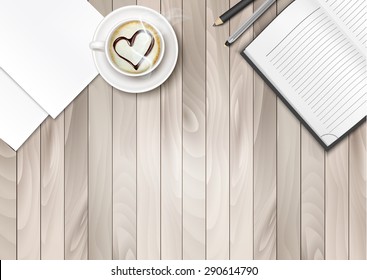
x: 133, y: 47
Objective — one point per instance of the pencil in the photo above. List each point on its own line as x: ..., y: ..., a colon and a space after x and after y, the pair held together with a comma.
x: 232, y: 12
x: 258, y: 13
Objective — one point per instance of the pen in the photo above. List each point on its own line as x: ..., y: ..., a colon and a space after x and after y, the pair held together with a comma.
x: 249, y: 22
x: 232, y: 12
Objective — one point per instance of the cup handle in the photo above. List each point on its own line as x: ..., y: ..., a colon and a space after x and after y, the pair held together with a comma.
x: 97, y: 46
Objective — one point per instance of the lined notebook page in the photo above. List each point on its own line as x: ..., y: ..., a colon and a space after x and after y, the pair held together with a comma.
x: 315, y: 66
x: 353, y: 14
x: 323, y: 67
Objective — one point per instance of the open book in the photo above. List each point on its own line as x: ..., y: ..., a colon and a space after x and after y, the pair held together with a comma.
x: 314, y: 57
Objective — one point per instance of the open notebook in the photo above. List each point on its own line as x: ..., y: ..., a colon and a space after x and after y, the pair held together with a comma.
x: 314, y: 56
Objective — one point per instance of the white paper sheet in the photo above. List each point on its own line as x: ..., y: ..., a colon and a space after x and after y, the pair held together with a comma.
x: 19, y: 114
x: 45, y: 48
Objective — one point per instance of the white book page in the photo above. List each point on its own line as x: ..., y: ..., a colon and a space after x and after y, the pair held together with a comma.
x: 45, y: 48
x: 351, y: 15
x: 19, y: 114
x: 315, y: 66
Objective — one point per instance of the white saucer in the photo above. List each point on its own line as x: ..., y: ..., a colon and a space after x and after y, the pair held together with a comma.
x: 151, y: 80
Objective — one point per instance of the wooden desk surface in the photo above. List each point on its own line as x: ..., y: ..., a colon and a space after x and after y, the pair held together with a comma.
x: 210, y: 165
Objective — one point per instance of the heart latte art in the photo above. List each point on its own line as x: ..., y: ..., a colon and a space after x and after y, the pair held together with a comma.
x: 135, y: 47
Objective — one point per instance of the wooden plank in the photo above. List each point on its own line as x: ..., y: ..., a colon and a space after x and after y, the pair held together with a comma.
x: 264, y: 158
x: 124, y: 169
x: 194, y: 127
x: 148, y: 170
x: 76, y: 178
x: 28, y: 198
x: 52, y: 188
x: 148, y: 176
x: 217, y: 144
x: 124, y: 175
x: 288, y: 177
x: 171, y: 145
x: 312, y: 201
x: 241, y: 143
x: 8, y: 208
x: 288, y: 184
x: 357, y: 194
x: 100, y: 161
x: 121, y: 3
x: 100, y: 170
x: 282, y: 4
x: 336, y: 202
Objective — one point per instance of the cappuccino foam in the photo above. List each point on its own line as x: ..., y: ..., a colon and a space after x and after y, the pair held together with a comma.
x: 135, y: 47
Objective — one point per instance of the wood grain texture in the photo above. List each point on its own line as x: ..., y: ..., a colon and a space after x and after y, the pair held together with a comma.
x: 288, y: 178
x: 76, y: 179
x: 288, y: 184
x: 149, y: 168
x: 211, y: 164
x: 336, y: 202
x: 100, y: 170
x: 148, y: 177
x: 124, y: 169
x: 264, y: 158
x: 52, y: 188
x: 124, y: 175
x: 171, y: 145
x: 100, y: 161
x: 241, y: 143
x: 194, y: 129
x: 121, y: 3
x: 8, y: 207
x: 217, y: 144
x: 28, y: 198
x: 282, y: 4
x: 312, y: 201
x: 358, y: 194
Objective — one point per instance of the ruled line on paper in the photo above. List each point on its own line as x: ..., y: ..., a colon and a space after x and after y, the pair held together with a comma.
x: 353, y: 14
x: 323, y: 67
x: 292, y: 31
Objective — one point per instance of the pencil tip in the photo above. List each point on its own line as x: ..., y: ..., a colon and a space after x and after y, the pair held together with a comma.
x: 217, y: 22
